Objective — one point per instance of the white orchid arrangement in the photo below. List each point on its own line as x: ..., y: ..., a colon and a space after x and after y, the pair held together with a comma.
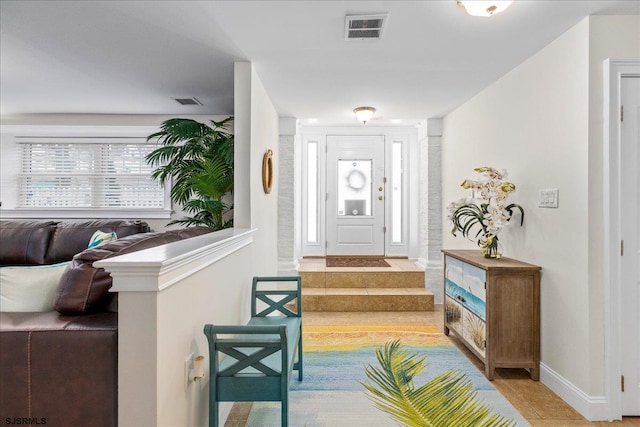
x: 485, y: 209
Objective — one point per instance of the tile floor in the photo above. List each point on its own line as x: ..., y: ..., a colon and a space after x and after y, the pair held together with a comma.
x: 536, y: 403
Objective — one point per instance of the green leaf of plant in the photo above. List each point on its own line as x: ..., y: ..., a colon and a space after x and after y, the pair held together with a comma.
x: 447, y: 400
x: 198, y: 159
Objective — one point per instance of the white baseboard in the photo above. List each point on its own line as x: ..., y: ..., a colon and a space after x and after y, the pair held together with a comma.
x: 433, y: 275
x: 288, y: 267
x: 593, y: 408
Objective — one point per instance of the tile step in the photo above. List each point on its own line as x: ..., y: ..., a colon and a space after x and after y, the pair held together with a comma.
x: 362, y: 279
x: 366, y: 299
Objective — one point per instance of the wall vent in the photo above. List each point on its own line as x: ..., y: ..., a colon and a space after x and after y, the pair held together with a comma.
x: 364, y: 27
x: 188, y: 101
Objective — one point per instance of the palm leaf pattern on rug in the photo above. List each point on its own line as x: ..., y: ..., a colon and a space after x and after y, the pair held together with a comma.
x: 447, y: 400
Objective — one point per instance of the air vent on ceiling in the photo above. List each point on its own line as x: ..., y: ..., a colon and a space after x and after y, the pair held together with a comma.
x: 188, y: 101
x: 364, y: 27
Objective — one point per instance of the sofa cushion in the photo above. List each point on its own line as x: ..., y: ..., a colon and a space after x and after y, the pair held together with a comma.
x: 71, y: 237
x: 25, y: 242
x: 100, y: 238
x: 31, y: 288
x: 61, y: 368
x: 85, y: 289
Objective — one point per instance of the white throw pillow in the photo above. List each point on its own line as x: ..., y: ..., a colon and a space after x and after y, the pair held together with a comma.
x: 100, y: 238
x: 30, y: 288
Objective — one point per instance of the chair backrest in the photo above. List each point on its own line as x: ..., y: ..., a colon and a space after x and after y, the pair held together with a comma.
x: 248, y: 349
x: 287, y: 302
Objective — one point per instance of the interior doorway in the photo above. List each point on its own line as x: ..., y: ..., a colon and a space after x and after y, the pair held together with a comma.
x: 630, y: 251
x: 622, y: 237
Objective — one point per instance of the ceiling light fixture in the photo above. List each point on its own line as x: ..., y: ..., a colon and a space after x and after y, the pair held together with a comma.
x: 364, y: 114
x: 484, y: 8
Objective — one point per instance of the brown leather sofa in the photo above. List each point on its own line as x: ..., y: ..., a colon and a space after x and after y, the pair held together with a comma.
x: 60, y: 367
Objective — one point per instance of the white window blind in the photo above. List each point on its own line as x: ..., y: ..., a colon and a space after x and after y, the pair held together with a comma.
x: 87, y: 173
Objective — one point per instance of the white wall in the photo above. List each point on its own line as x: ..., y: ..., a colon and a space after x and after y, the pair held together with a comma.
x: 166, y: 296
x: 533, y: 122
x: 75, y: 124
x: 219, y: 294
x: 543, y: 123
x: 256, y: 131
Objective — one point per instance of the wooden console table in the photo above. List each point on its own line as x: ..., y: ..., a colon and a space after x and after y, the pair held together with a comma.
x: 493, y: 306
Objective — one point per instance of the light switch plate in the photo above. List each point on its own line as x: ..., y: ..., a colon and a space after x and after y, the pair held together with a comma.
x: 548, y: 198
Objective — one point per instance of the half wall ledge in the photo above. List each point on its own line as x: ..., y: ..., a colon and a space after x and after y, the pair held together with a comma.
x: 155, y: 269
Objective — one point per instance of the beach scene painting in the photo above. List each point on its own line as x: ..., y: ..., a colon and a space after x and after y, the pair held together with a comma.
x: 465, y: 302
x: 465, y: 283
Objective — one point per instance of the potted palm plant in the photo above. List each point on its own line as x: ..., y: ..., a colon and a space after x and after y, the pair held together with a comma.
x: 199, y: 159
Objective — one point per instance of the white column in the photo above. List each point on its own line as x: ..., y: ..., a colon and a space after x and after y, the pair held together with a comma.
x: 431, y: 213
x: 288, y: 221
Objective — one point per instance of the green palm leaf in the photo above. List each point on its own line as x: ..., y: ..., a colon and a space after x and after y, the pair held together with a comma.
x: 198, y: 159
x: 447, y: 400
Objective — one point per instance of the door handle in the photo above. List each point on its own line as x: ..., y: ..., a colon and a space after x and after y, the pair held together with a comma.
x: 379, y: 197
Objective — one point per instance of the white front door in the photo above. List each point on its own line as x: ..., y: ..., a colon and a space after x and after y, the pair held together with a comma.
x: 355, y: 203
x: 630, y: 260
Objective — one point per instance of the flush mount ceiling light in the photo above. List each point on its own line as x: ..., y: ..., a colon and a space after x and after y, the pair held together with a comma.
x: 364, y: 114
x: 484, y: 8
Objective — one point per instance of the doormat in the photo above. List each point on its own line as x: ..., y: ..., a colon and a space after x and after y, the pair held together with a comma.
x: 356, y: 262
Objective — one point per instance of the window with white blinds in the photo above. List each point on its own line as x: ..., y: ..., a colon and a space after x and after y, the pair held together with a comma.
x: 87, y: 173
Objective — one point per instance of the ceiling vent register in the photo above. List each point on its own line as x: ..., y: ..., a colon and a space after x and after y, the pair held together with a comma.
x: 364, y: 27
x: 188, y: 101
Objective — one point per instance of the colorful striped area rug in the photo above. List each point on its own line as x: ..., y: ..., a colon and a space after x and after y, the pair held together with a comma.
x: 333, y: 390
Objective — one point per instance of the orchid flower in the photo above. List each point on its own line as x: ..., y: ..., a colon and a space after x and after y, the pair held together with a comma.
x: 485, y: 211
